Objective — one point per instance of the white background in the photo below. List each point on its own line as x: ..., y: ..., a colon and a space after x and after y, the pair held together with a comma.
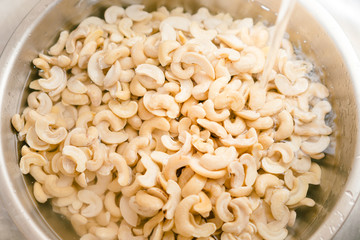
x: 346, y: 12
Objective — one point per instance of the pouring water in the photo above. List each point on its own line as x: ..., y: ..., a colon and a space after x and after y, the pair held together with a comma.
x: 286, y: 9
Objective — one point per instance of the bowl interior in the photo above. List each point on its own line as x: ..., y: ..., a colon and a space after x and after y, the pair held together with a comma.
x: 307, y: 34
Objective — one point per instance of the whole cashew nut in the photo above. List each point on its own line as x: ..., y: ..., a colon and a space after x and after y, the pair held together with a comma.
x: 286, y: 126
x: 182, y: 219
x: 76, y: 155
x: 149, y: 178
x: 221, y: 159
x: 125, y: 109
x: 154, y: 73
x: 49, y: 136
x: 287, y: 88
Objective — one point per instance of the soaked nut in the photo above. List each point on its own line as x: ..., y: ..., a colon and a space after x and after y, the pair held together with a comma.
x: 154, y: 125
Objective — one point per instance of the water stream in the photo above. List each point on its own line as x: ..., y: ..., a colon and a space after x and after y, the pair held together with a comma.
x: 282, y: 20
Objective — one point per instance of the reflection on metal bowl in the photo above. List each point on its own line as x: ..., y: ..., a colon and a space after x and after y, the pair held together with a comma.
x: 311, y: 28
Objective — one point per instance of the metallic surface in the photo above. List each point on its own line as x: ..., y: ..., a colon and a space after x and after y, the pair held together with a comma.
x: 311, y: 28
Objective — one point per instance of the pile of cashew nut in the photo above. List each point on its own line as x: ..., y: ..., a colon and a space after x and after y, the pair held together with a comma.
x: 154, y: 126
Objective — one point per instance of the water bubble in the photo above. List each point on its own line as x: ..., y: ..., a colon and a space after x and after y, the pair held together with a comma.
x: 265, y: 8
x: 351, y: 197
x: 332, y: 229
x: 341, y: 216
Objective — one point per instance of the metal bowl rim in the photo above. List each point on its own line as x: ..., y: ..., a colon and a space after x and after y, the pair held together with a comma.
x: 332, y: 222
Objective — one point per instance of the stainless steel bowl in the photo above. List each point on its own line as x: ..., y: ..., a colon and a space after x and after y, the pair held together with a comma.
x: 311, y: 28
